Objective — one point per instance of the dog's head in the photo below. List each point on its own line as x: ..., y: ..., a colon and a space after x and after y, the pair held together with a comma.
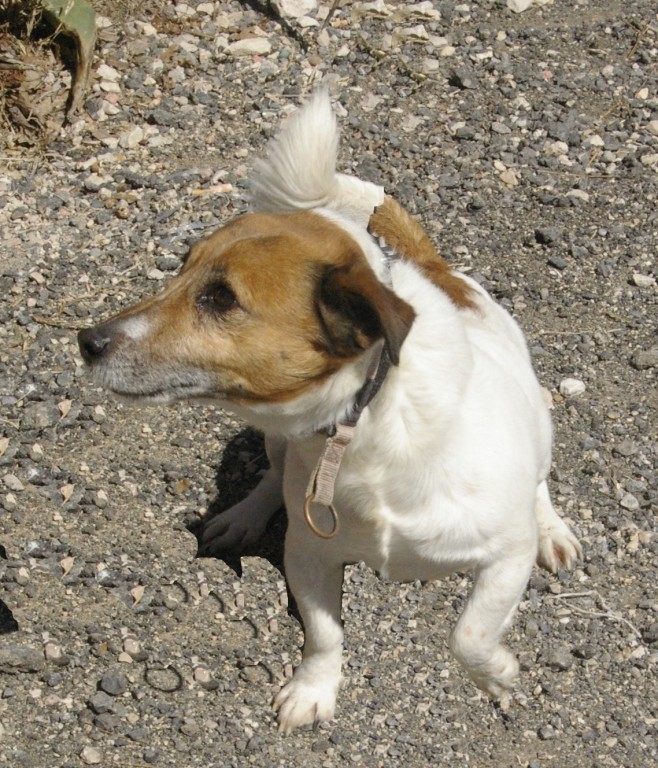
x: 271, y: 306
x: 262, y: 310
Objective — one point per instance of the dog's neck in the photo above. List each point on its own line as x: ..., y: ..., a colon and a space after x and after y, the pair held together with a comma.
x: 339, y: 434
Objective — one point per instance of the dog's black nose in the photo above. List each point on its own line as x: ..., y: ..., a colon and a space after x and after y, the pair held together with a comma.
x: 93, y: 343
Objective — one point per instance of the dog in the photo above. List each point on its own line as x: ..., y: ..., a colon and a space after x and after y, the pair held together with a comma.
x: 403, y: 421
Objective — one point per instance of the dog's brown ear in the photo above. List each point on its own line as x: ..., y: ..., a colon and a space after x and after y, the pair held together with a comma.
x: 355, y: 310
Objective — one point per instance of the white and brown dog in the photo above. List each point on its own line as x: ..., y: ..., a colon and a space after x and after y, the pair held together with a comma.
x: 404, y: 424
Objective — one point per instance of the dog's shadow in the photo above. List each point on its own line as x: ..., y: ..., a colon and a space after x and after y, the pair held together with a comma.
x: 240, y: 470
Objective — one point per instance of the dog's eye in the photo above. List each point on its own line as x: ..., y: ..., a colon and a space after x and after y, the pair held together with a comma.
x: 217, y: 298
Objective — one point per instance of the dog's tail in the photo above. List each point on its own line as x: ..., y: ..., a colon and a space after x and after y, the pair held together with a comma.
x: 299, y: 171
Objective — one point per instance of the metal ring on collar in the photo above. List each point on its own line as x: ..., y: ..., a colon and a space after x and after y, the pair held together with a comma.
x: 310, y: 499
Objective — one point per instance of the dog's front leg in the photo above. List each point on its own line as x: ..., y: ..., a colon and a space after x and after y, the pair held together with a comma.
x: 317, y: 587
x: 245, y: 522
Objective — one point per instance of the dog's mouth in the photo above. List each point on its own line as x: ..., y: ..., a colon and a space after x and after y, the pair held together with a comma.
x: 142, y: 391
x: 157, y: 397
x: 165, y: 396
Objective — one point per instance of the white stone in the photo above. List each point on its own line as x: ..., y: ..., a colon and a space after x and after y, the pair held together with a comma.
x: 370, y: 102
x: 643, y: 93
x: 556, y: 148
x: 509, y: 178
x: 250, y: 46
x: 105, y: 72
x: 643, y: 281
x: 653, y: 127
x: 177, y: 75
x: 207, y: 8
x: 228, y: 20
x: 111, y: 142
x: 650, y: 159
x: 108, y: 109
x: 423, y: 10
x: 185, y: 11
x: 148, y: 30
x: 578, y: 194
x: 202, y: 675
x: 160, y: 141
x: 572, y: 387
x: 110, y: 86
x: 52, y: 651
x: 596, y: 141
x: 95, y: 181
x: 131, y: 138
x: 294, y: 9
x: 91, y: 756
x: 629, y: 502
x: 418, y: 33
x: 186, y: 45
x: 518, y: 6
x: 131, y: 645
x: 376, y: 9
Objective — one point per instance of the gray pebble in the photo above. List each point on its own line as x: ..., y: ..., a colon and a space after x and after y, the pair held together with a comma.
x: 625, y: 448
x: 13, y: 483
x: 548, y: 235
x: 643, y: 359
x: 463, y: 79
x: 558, y: 262
x: 101, y: 702
x: 558, y: 657
x: 40, y: 416
x: 114, y: 682
x: 15, y: 659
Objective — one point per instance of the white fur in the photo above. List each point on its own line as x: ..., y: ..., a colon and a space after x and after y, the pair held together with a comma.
x: 447, y: 469
x: 135, y: 328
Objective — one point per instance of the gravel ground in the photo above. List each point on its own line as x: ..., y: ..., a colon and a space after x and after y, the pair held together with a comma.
x: 528, y: 145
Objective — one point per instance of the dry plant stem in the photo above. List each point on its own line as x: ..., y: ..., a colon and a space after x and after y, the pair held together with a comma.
x: 607, y: 614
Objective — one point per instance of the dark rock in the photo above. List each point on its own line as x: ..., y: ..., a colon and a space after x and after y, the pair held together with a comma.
x: 114, y: 682
x: 643, y: 359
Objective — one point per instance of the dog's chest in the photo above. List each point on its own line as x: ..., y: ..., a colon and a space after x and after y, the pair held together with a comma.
x: 409, y: 545
x: 385, y: 521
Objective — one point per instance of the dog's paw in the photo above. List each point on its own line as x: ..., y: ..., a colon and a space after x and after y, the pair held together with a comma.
x: 301, y: 702
x: 497, y: 677
x: 232, y: 530
x: 558, y: 547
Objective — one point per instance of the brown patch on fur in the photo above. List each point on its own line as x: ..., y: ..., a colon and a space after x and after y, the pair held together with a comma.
x: 275, y: 341
x: 356, y: 310
x: 408, y: 238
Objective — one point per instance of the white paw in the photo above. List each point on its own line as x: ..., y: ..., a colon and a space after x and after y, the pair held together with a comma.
x: 497, y: 677
x: 558, y: 547
x: 302, y: 702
